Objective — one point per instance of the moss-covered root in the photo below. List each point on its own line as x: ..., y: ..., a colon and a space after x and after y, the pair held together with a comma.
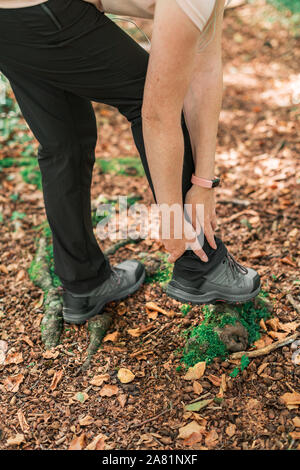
x: 97, y: 327
x: 52, y: 323
x: 233, y: 335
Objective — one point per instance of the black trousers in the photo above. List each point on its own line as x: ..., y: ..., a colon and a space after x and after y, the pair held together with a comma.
x: 58, y: 57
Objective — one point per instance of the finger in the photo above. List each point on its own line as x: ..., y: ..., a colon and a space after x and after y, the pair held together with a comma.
x: 214, y: 222
x: 196, y: 247
x: 210, y: 236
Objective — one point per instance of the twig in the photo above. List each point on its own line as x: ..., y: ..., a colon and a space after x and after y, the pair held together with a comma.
x: 293, y: 302
x: 266, y: 349
x: 150, y: 419
x: 236, y: 202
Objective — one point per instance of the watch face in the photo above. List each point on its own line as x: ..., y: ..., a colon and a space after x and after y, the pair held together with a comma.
x: 215, y: 182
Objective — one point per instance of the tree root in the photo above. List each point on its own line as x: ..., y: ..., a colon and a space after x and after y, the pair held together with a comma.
x: 52, y: 323
x: 97, y: 327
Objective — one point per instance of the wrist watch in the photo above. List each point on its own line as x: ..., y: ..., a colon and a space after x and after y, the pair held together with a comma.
x: 205, y: 183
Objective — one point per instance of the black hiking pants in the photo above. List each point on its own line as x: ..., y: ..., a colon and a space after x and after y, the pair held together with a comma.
x: 58, y: 57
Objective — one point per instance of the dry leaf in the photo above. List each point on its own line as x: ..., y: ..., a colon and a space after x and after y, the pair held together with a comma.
x: 214, y: 380
x: 112, y: 337
x: 152, y: 306
x: 78, y: 443
x: 56, y: 379
x: 98, y: 443
x: 263, y: 325
x: 86, y: 421
x: 263, y: 341
x: 273, y: 323
x: 230, y: 430
x: 196, y: 372
x: 197, y: 387
x: 122, y: 400
x: 21, y: 275
x: 109, y: 390
x: 125, y: 376
x: 186, y: 431
x: 277, y: 335
x: 16, y: 440
x: 22, y: 420
x: 296, y: 421
x: 50, y: 354
x: 289, y: 327
x: 290, y: 398
x: 135, y: 332
x: 193, y: 439
x: 27, y: 340
x: 99, y: 379
x: 13, y: 383
x: 14, y: 358
x: 211, y: 439
x: 295, y: 435
x: 152, y: 314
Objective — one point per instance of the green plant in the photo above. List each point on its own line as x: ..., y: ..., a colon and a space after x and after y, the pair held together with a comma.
x: 130, y: 166
x: 245, y: 361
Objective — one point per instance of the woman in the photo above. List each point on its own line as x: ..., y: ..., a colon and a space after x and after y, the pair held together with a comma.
x: 59, y: 55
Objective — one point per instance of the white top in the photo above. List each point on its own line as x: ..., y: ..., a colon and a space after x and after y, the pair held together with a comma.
x: 199, y: 11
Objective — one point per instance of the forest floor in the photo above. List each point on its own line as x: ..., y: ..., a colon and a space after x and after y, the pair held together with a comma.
x: 47, y: 402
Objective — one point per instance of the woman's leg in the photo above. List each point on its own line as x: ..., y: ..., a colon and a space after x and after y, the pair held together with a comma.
x: 65, y: 126
x: 89, y: 56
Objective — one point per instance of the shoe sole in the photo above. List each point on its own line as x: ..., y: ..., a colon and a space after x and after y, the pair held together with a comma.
x: 211, y: 297
x: 80, y: 319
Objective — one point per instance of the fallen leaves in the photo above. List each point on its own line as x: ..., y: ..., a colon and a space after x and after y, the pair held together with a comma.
x: 3, y: 351
x: 113, y: 337
x: 195, y: 372
x: 230, y: 430
x: 86, y: 421
x: 78, y: 443
x: 125, y: 376
x: 14, y: 358
x: 290, y: 399
x: 212, y: 439
x: 16, y: 440
x: 98, y: 380
x: 13, y: 383
x: 197, y: 387
x: 193, y: 427
x: 22, y: 421
x: 98, y: 443
x: 197, y: 406
x: 109, y: 390
x: 56, y: 379
x: 153, y: 309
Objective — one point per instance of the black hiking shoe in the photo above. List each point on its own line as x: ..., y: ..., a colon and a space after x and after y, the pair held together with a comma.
x: 228, y: 282
x: 125, y: 279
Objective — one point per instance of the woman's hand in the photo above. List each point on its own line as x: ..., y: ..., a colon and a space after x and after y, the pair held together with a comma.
x: 96, y: 3
x: 181, y: 236
x: 206, y: 197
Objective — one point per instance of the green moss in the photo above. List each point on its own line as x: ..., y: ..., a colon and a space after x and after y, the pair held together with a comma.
x: 185, y: 309
x: 130, y: 166
x: 204, y: 344
x: 164, y: 274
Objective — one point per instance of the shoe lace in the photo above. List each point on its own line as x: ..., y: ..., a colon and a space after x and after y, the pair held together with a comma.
x: 116, y: 275
x: 234, y: 266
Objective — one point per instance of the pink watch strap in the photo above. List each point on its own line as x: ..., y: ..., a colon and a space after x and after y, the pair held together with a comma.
x: 205, y: 183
